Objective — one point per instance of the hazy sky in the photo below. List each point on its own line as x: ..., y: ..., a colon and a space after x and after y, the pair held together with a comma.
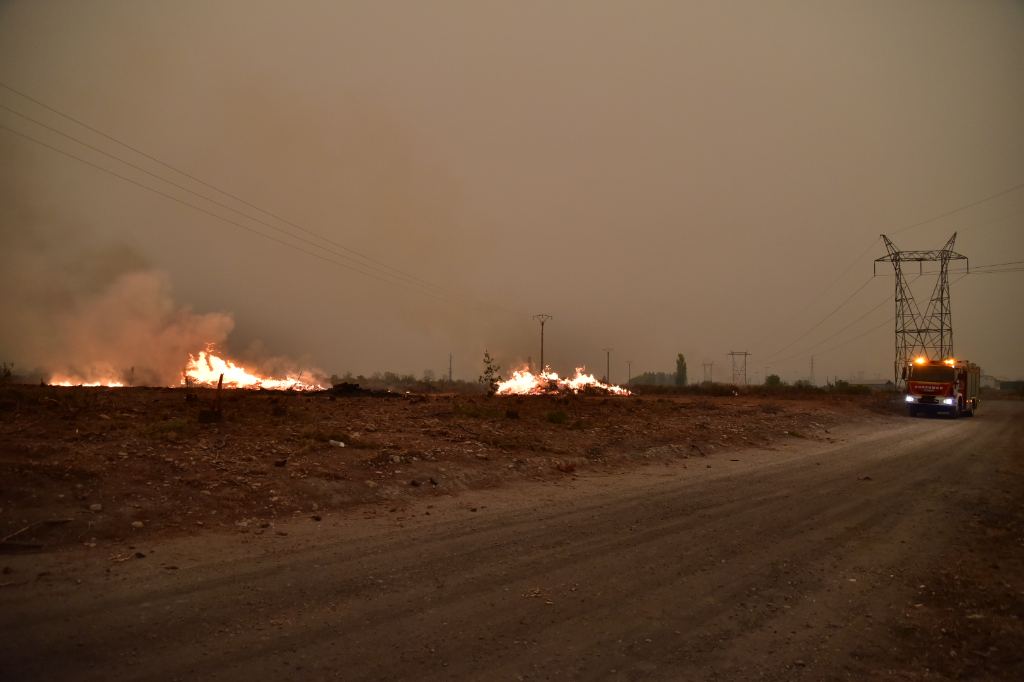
x: 662, y: 177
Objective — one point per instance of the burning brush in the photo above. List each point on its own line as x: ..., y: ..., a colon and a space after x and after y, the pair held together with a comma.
x: 207, y: 368
x: 525, y: 382
x: 203, y: 369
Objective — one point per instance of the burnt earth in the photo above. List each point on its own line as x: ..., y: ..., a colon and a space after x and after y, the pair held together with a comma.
x: 82, y: 465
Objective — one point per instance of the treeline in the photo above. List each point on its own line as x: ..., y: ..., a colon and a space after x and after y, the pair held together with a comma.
x: 800, y: 388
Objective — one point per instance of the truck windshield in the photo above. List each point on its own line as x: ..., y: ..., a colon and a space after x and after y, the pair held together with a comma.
x: 931, y: 373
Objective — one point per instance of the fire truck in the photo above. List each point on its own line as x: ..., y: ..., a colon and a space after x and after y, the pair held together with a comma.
x: 942, y: 386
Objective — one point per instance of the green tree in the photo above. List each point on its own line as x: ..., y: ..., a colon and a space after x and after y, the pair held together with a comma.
x: 773, y: 380
x: 680, y: 370
x: 490, y: 377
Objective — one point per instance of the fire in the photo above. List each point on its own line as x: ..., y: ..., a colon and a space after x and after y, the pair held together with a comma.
x: 206, y: 369
x: 64, y: 380
x: 525, y: 382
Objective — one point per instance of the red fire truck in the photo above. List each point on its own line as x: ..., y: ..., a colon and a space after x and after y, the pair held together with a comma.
x: 942, y: 386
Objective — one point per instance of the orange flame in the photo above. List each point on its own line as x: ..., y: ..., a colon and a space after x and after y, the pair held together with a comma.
x: 206, y: 369
x: 525, y: 382
x: 65, y: 380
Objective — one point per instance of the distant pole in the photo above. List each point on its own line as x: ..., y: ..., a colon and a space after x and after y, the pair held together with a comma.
x: 449, y: 368
x: 629, y: 372
x: 542, y: 318
x: 608, y: 364
x: 812, y: 370
x: 709, y: 372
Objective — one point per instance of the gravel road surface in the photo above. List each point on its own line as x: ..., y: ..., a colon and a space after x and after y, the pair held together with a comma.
x: 895, y: 551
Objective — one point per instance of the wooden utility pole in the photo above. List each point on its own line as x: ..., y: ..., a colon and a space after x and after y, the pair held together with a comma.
x: 542, y: 318
x: 608, y: 365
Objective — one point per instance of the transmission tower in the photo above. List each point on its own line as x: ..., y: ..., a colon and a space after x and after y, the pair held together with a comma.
x: 739, y: 368
x: 709, y: 372
x: 929, y: 333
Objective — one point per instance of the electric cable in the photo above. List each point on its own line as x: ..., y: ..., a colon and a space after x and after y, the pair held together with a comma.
x: 179, y: 200
x: 357, y: 254
x: 396, y: 273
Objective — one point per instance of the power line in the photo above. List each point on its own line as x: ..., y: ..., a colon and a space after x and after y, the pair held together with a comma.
x: 919, y: 223
x: 996, y: 272
x: 960, y: 209
x: 832, y: 336
x: 179, y: 200
x: 370, y: 262
x: 822, y: 320
x: 996, y: 265
x: 221, y: 204
x: 859, y: 336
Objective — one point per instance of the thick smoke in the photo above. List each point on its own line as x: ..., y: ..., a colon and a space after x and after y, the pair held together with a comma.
x: 74, y: 310
x: 133, y: 323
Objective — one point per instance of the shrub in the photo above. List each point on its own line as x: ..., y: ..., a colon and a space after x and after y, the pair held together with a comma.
x: 558, y: 417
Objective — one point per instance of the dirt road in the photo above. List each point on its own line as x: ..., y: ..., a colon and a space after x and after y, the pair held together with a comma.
x: 896, y: 551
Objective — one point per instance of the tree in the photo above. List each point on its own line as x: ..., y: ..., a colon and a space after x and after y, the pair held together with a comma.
x: 490, y: 377
x: 680, y: 370
x: 773, y: 380
x: 653, y: 379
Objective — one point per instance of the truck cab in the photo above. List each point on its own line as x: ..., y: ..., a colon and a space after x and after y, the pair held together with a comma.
x: 942, y: 387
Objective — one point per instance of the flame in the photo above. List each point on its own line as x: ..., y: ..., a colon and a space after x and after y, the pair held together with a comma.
x: 525, y: 382
x: 65, y: 380
x: 206, y: 369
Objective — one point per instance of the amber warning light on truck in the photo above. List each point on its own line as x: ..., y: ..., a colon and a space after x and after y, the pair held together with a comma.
x: 947, y: 386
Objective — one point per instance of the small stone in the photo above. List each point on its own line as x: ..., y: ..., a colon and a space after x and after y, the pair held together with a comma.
x: 137, y: 524
x: 316, y: 517
x: 96, y: 507
x: 140, y: 555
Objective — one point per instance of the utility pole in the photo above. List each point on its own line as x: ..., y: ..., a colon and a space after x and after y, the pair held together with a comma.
x: 629, y: 372
x: 739, y: 369
x: 608, y: 364
x: 449, y: 368
x: 929, y: 333
x: 542, y: 318
x: 812, y: 370
x: 709, y: 372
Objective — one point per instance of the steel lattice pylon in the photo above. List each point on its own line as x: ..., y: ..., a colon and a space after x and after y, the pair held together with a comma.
x: 929, y: 333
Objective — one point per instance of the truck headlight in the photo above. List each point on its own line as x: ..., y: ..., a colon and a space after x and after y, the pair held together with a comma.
x: 909, y: 398
x: 947, y: 401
